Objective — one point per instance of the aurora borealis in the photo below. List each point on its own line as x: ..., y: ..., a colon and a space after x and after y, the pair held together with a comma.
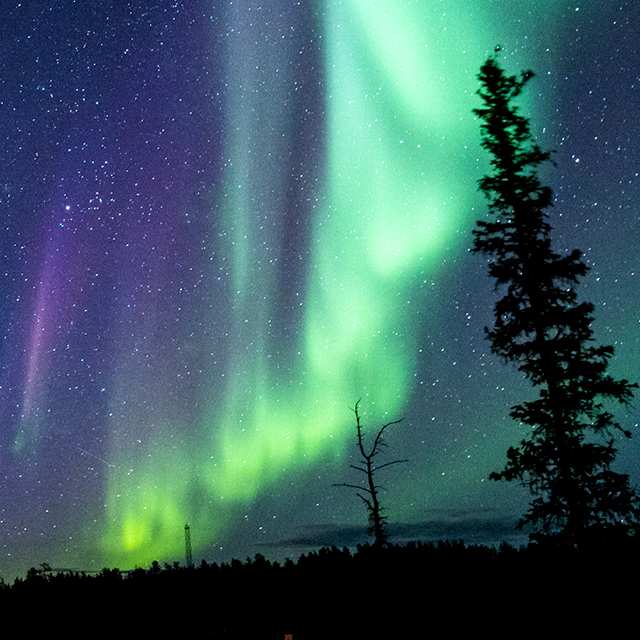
x: 226, y: 222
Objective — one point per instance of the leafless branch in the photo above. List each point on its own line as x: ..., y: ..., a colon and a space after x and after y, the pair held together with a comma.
x: 377, y: 520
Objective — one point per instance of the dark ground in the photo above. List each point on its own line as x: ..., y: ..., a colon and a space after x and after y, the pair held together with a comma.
x: 414, y: 591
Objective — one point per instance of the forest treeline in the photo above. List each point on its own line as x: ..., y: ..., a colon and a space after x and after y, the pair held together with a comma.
x: 414, y: 589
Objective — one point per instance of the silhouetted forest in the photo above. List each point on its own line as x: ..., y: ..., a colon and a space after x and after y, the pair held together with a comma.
x: 416, y: 591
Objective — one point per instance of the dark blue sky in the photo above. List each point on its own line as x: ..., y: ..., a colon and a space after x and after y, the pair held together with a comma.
x: 224, y: 224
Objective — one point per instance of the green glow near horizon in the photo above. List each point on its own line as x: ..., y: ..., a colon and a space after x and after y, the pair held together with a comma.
x: 398, y: 195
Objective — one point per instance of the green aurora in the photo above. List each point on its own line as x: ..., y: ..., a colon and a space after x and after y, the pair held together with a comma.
x: 397, y: 193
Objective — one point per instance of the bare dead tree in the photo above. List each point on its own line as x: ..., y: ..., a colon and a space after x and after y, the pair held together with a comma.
x: 369, y: 493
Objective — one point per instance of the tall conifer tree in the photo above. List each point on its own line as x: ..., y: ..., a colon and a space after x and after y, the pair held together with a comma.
x: 541, y: 327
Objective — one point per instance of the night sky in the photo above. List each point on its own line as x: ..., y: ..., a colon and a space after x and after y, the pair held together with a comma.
x: 223, y: 223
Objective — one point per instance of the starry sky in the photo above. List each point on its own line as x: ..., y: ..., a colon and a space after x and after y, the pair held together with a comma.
x: 223, y: 223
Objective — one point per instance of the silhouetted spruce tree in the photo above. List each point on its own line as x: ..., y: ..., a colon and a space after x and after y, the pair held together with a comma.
x: 369, y: 493
x: 543, y: 329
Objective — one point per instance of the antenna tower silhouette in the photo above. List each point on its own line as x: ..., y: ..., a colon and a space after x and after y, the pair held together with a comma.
x: 187, y: 545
